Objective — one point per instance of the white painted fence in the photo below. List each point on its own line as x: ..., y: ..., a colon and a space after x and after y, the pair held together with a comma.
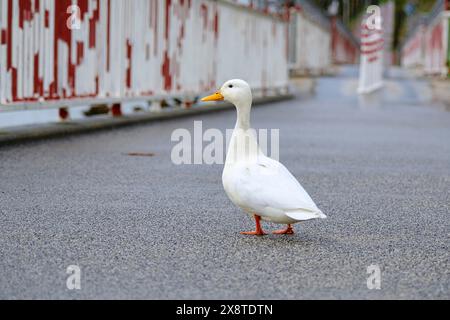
x: 133, y: 50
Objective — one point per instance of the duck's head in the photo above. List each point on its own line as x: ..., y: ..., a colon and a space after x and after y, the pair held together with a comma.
x: 236, y: 91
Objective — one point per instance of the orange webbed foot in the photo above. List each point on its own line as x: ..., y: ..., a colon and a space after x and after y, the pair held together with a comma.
x: 258, y: 231
x: 288, y: 230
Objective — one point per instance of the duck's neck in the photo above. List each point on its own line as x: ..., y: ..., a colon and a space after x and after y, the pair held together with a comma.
x: 243, y: 115
x: 243, y: 144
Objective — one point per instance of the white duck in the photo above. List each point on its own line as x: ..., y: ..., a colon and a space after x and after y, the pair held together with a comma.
x: 261, y: 186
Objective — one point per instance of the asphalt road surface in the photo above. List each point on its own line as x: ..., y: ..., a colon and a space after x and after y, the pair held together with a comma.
x: 143, y: 227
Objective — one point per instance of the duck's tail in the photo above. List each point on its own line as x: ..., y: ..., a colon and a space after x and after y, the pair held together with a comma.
x: 305, y: 214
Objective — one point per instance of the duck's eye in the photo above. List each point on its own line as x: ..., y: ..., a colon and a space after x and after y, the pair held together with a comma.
x: 230, y: 86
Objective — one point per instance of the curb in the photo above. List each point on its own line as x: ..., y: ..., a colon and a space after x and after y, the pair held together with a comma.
x: 13, y: 135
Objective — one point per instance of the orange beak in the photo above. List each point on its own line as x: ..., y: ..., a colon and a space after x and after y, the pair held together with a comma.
x: 214, y: 97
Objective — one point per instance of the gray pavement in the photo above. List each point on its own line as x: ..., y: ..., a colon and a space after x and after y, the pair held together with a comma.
x: 142, y: 227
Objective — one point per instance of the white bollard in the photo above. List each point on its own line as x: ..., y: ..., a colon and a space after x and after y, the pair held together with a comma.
x: 371, y: 65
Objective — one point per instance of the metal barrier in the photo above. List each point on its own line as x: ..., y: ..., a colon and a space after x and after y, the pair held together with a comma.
x: 427, y: 46
x: 309, y: 42
x: 344, y: 46
x: 413, y: 50
x: 56, y: 53
x: 317, y: 41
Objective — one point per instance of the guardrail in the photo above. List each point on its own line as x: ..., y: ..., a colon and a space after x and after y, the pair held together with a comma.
x: 345, y: 47
x: 309, y: 42
x: 317, y: 41
x: 54, y: 54
x: 427, y: 46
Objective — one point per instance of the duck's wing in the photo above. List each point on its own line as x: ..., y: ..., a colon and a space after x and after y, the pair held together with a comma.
x: 267, y: 183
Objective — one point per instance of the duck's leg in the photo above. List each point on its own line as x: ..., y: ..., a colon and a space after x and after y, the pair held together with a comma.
x: 258, y: 230
x: 288, y: 230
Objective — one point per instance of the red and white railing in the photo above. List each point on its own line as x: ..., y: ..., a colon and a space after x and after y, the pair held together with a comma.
x: 55, y: 54
x: 317, y: 41
x: 427, y: 46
